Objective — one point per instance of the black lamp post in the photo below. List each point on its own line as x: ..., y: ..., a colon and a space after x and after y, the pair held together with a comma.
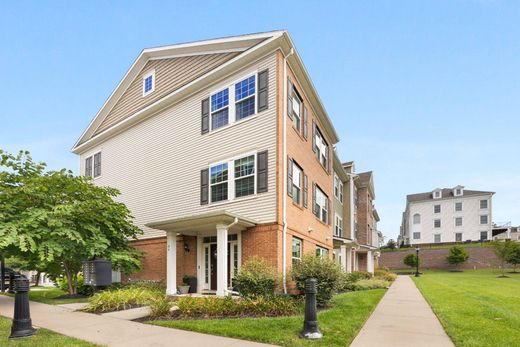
x: 417, y: 262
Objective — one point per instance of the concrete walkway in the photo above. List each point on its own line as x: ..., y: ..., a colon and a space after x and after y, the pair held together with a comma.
x: 109, y: 331
x: 403, y: 318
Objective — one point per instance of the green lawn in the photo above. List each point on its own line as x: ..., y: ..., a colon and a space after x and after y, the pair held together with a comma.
x: 339, y: 324
x: 51, y: 296
x: 475, y: 307
x: 43, y: 338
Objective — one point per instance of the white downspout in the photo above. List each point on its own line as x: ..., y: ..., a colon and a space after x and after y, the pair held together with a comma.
x: 284, y: 197
x: 352, y: 202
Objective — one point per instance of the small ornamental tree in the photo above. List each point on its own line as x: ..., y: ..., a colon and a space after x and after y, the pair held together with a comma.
x: 57, y: 220
x: 410, y: 260
x: 457, y: 256
x: 513, y: 257
x: 503, y: 250
x: 391, y: 244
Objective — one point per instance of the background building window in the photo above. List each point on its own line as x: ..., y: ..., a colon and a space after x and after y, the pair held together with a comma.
x: 458, y: 206
x: 484, y: 219
x: 458, y: 237
x: 416, y: 218
x: 437, y: 223
x: 416, y: 236
x: 338, y: 188
x: 437, y: 238
x: 458, y: 221
x: 483, y: 235
x: 437, y: 209
x: 296, y: 250
x: 338, y: 226
x: 483, y: 204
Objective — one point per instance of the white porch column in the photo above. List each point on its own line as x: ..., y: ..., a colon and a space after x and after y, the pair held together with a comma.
x: 370, y: 262
x: 348, y: 259
x: 344, y: 260
x: 222, y: 259
x: 171, y: 263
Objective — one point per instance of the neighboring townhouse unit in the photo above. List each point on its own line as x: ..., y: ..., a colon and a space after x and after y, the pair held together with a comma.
x: 447, y: 215
x: 223, y: 151
x: 356, y: 239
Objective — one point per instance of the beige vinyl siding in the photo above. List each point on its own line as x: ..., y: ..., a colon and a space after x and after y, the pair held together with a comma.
x: 156, y: 164
x: 170, y: 75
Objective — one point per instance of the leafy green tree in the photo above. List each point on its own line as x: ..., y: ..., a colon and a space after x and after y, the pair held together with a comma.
x: 503, y: 250
x: 391, y: 244
x: 457, y: 256
x: 410, y: 260
x: 61, y: 219
x: 513, y: 257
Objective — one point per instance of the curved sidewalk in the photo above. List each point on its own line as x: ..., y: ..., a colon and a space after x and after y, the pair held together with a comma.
x: 403, y: 318
x: 109, y: 331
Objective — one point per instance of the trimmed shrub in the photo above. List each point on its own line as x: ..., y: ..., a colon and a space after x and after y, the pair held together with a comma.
x: 327, y: 273
x: 214, y: 307
x: 121, y: 299
x: 256, y: 278
x: 385, y: 275
x: 373, y: 283
x: 82, y: 289
x: 410, y: 260
x: 160, y: 306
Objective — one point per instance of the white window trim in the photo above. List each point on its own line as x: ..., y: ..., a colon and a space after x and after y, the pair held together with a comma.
x: 321, y: 207
x: 92, y: 168
x: 323, y: 251
x: 337, y: 180
x: 413, y: 235
x: 301, y: 249
x: 322, y: 147
x: 440, y: 238
x: 480, y: 206
x: 338, y: 221
x: 480, y: 219
x: 440, y: 209
x: 440, y: 223
x: 297, y: 167
x: 148, y: 74
x: 231, y: 178
x: 461, y: 236
x: 413, y: 218
x: 232, y: 102
x: 461, y: 205
x: 455, y: 222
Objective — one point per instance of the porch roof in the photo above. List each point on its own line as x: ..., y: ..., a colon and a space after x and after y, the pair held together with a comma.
x: 203, y: 222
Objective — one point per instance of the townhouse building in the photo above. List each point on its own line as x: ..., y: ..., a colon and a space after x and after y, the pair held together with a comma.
x: 222, y: 150
x: 447, y: 215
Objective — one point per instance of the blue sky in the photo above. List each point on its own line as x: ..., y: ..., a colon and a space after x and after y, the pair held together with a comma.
x: 424, y: 93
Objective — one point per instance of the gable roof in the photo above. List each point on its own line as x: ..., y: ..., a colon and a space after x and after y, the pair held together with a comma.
x: 447, y: 193
x: 246, y: 48
x: 366, y: 180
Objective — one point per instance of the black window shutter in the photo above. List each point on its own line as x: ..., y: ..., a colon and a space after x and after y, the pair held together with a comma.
x: 97, y: 164
x: 88, y: 167
x: 261, y: 172
x: 289, y: 176
x: 305, y: 121
x: 289, y: 97
x: 314, y: 136
x: 305, y: 191
x: 329, y: 212
x: 205, y: 116
x: 204, y: 187
x: 328, y: 156
x: 314, y: 198
x: 263, y: 102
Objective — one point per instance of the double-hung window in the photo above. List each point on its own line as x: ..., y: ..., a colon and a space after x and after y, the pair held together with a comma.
x: 220, y: 109
x: 93, y: 165
x: 416, y: 235
x: 245, y: 176
x: 321, y: 148
x: 483, y: 204
x: 458, y: 221
x: 484, y: 219
x: 437, y: 209
x: 234, y: 178
x: 458, y: 206
x: 458, y: 237
x: 296, y: 250
x: 296, y: 110
x: 436, y: 223
x: 338, y: 226
x: 296, y: 183
x: 338, y: 189
x: 322, y: 252
x: 437, y: 238
x: 219, y: 182
x: 320, y: 208
x: 245, y: 92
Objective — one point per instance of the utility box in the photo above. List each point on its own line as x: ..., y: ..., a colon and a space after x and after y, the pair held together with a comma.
x: 97, y: 272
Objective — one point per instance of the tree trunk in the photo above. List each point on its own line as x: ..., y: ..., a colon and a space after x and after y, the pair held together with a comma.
x: 37, y: 278
x: 69, y: 278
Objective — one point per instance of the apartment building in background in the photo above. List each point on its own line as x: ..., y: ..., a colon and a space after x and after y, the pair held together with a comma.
x: 223, y: 150
x: 448, y: 215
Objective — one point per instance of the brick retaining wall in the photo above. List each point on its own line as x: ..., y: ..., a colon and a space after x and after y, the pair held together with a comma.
x: 435, y: 258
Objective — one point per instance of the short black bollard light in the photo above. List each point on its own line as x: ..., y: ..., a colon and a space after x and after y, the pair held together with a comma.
x: 310, y: 324
x: 11, y: 283
x: 22, y: 324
